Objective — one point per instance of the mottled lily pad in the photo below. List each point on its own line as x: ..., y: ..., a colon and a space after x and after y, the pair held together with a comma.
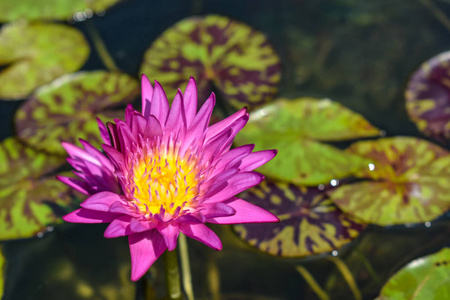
x: 428, y: 97
x: 11, y: 10
x: 296, y: 128
x: 37, y: 54
x: 66, y: 110
x: 30, y: 196
x: 425, y: 278
x: 309, y: 222
x: 235, y: 58
x: 409, y: 182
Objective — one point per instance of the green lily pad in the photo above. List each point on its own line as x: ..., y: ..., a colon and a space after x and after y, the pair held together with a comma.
x: 30, y: 197
x: 37, y: 54
x: 409, y: 182
x: 11, y: 10
x: 309, y: 222
x: 235, y: 58
x: 296, y: 128
x: 428, y: 97
x: 66, y: 110
x: 425, y: 278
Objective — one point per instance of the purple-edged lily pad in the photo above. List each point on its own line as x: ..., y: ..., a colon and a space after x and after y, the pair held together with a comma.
x: 297, y: 129
x: 30, y: 196
x: 428, y: 97
x: 424, y: 278
x: 66, y: 110
x: 37, y: 54
x: 309, y: 222
x: 235, y: 58
x: 11, y: 10
x: 407, y: 182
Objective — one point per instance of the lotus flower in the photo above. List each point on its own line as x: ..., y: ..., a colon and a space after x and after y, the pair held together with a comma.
x: 165, y: 172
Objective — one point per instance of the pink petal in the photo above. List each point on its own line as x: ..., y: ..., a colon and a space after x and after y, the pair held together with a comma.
x: 170, y: 233
x: 100, y: 157
x: 119, y: 208
x: 145, y: 248
x: 245, y: 213
x: 101, y: 201
x: 139, y: 226
x: 175, y: 117
x: 78, y: 153
x: 119, y: 227
x: 190, y: 101
x: 225, y: 124
x: 138, y: 124
x: 239, y: 183
x: 116, y: 156
x: 146, y: 94
x: 160, y: 106
x: 231, y: 158
x: 215, y: 210
x: 201, y: 233
x: 256, y: 159
x: 126, y: 138
x: 82, y: 215
x: 77, y: 184
x: 153, y: 128
x: 103, y: 132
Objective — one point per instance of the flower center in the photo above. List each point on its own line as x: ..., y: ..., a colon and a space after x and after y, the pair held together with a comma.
x: 163, y: 181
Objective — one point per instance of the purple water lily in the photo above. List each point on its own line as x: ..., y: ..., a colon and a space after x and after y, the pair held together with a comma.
x: 166, y: 171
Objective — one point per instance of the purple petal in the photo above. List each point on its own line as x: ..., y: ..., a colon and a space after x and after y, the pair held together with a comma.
x: 138, y: 124
x: 112, y: 129
x: 119, y: 208
x: 153, y: 128
x: 201, y: 233
x: 82, y: 215
x: 245, y: 213
x: 190, y: 101
x: 126, y: 138
x: 215, y: 210
x: 147, y: 94
x: 78, y: 153
x: 140, y: 226
x: 145, y: 248
x: 160, y: 105
x: 77, y: 184
x: 116, y: 157
x: 238, y: 183
x: 170, y: 232
x: 103, y: 132
x: 101, y: 201
x: 119, y: 227
x: 231, y: 158
x: 175, y: 118
x: 257, y: 159
x: 225, y: 124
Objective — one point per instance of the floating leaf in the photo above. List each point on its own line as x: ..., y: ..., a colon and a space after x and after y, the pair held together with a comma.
x: 425, y: 278
x: 28, y: 195
x: 11, y: 10
x: 410, y: 182
x: 66, y: 109
x: 235, y: 58
x: 295, y: 129
x: 310, y: 222
x: 428, y: 97
x: 37, y: 54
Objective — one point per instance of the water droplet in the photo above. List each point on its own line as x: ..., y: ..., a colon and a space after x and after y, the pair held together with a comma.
x: 334, y: 182
x: 427, y: 224
x: 334, y: 253
x: 50, y: 228
x: 40, y: 234
x: 371, y: 167
x: 321, y: 187
x: 88, y: 13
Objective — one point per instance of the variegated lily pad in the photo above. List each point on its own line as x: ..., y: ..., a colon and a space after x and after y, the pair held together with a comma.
x: 66, y: 110
x: 296, y: 128
x: 428, y: 97
x: 11, y: 10
x: 409, y: 182
x: 425, y: 278
x: 309, y: 222
x: 29, y: 193
x: 232, y: 56
x: 37, y: 54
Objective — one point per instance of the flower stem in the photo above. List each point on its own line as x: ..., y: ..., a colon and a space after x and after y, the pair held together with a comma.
x: 100, y: 47
x: 172, y: 275
x: 313, y: 283
x: 185, y: 267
